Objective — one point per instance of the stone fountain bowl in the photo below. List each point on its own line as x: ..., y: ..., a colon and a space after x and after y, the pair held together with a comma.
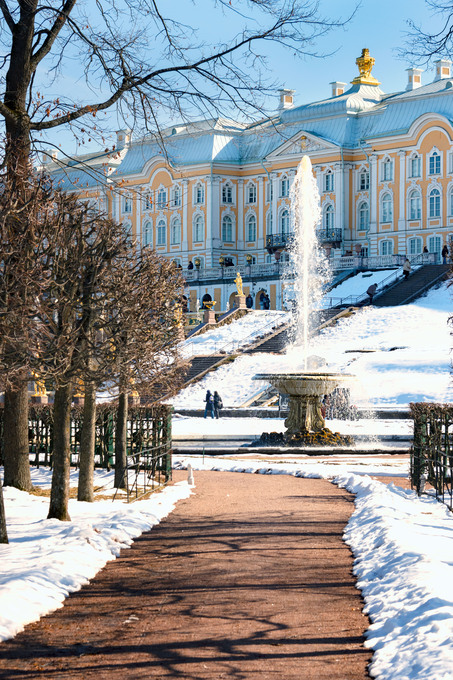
x: 304, y: 383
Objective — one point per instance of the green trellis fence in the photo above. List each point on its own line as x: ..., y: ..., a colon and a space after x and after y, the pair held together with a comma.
x: 149, y: 428
x: 432, y: 450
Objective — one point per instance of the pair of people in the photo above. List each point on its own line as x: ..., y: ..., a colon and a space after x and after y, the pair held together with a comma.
x: 213, y: 404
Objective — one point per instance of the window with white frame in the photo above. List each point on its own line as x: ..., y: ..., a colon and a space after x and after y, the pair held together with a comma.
x: 176, y: 197
x: 450, y: 162
x: 251, y: 228
x: 329, y: 217
x: 127, y: 204
x: 387, y: 170
x: 227, y: 228
x: 269, y: 222
x: 435, y: 244
x: 227, y: 193
x: 434, y: 163
x: 269, y: 191
x: 415, y: 166
x: 284, y: 187
x: 161, y: 198
x: 252, y: 261
x: 147, y: 233
x: 434, y: 203
x: 198, y: 195
x: 386, y: 247
x: 284, y: 222
x: 161, y: 233
x: 147, y: 201
x: 364, y: 180
x: 414, y: 246
x: 177, y: 262
x: 450, y: 202
x: 251, y: 193
x: 364, y: 216
x: 328, y: 181
x: 284, y: 257
x: 175, y: 231
x: 415, y: 205
x: 198, y: 228
x: 387, y: 208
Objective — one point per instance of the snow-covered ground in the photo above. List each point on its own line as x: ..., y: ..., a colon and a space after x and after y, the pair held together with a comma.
x: 357, y: 285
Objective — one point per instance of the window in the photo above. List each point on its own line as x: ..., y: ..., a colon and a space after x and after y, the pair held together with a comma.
x: 251, y: 228
x: 176, y: 197
x: 251, y: 193
x: 414, y: 246
x: 161, y: 233
x: 434, y: 203
x: 434, y: 164
x: 227, y: 193
x: 415, y: 166
x: 269, y: 222
x: 364, y: 216
x: 328, y: 181
x: 148, y: 233
x: 434, y: 244
x: 387, y: 170
x: 198, y: 229
x: 387, y: 208
x: 284, y: 222
x: 450, y: 202
x: 284, y: 187
x: 147, y: 201
x: 386, y: 247
x: 329, y: 217
x: 175, y: 231
x: 161, y: 198
x: 227, y: 228
x: 269, y: 191
x: 415, y: 205
x: 199, y: 194
x: 127, y: 204
x: 364, y: 180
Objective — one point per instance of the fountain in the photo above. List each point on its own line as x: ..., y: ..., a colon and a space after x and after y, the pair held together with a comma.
x: 305, y: 422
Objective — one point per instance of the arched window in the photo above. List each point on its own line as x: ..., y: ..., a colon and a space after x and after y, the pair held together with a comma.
x: 161, y: 233
x: 284, y: 187
x: 161, y: 198
x: 364, y: 216
x: 198, y: 229
x: 176, y: 197
x: 227, y: 193
x: 251, y: 228
x: 329, y: 217
x: 387, y: 170
x: 414, y: 246
x: 269, y: 222
x: 198, y: 194
x: 251, y: 193
x: 147, y: 201
x: 434, y: 203
x: 386, y: 247
x: 387, y: 208
x: 127, y: 204
x: 328, y: 181
x: 147, y: 233
x: 175, y: 231
x: 227, y: 228
x: 450, y: 202
x: 415, y: 166
x: 434, y: 163
x: 415, y: 205
x: 284, y: 222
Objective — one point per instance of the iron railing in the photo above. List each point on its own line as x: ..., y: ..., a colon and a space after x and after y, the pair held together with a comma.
x: 147, y: 470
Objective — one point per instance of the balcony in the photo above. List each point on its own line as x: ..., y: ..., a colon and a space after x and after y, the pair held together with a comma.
x: 276, y: 242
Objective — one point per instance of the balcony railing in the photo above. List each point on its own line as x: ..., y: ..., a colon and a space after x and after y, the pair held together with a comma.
x: 280, y: 241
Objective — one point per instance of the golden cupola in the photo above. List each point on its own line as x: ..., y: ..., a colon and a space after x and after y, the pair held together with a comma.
x: 365, y: 64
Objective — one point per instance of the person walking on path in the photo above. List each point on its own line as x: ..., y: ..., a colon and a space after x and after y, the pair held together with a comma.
x: 371, y: 292
x: 218, y: 404
x: 444, y: 254
x: 209, y: 407
x: 406, y: 268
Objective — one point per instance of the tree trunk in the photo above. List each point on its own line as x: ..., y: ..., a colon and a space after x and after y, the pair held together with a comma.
x: 121, y: 441
x: 87, y: 445
x: 3, y: 533
x: 15, y: 439
x: 59, y: 493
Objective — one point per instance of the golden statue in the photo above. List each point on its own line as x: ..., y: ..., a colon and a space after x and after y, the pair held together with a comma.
x: 238, y: 282
x: 40, y: 387
x: 365, y: 64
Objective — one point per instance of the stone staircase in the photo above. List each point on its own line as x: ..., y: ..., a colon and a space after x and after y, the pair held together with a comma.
x: 407, y: 290
x: 199, y: 365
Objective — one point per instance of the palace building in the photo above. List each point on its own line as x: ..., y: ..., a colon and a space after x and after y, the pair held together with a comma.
x: 217, y: 197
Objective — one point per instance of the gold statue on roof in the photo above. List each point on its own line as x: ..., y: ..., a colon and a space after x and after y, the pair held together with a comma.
x: 365, y: 64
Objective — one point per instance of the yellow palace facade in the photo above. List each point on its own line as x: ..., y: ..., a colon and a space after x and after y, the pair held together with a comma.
x: 218, y: 199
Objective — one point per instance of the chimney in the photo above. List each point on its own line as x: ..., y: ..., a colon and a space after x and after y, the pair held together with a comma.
x: 286, y: 99
x: 123, y: 138
x: 414, y: 78
x: 443, y: 69
x: 337, y: 88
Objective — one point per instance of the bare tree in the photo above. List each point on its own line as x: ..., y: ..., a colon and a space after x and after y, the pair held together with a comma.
x: 422, y: 45
x: 3, y: 531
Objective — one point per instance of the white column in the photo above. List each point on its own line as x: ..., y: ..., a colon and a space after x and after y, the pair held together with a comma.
x: 339, y: 195
x: 347, y: 227
x: 274, y: 205
x: 138, y: 218
x: 208, y: 222
x: 261, y: 235
x: 240, y: 222
x: 215, y: 215
x: 402, y: 204
x: 185, y: 226
x: 373, y: 203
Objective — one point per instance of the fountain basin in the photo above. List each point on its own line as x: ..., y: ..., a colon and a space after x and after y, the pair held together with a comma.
x: 305, y: 391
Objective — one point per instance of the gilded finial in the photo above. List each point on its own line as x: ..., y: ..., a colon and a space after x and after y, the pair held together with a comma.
x: 365, y: 64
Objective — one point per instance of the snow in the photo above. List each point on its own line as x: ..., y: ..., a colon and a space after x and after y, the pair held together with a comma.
x: 356, y: 286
